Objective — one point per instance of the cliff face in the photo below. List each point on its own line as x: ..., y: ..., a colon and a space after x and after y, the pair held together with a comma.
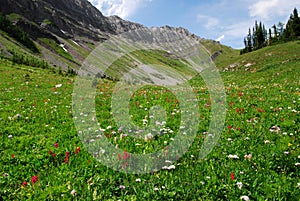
x: 65, y: 18
x: 75, y: 25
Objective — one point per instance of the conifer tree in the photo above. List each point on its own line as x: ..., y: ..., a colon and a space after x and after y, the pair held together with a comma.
x: 292, y: 30
x: 270, y: 39
x: 249, y: 41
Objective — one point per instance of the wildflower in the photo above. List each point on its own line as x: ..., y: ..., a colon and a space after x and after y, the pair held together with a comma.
x: 267, y: 142
x: 156, y: 189
x: 233, y: 156
x: 126, y: 155
x: 52, y: 154
x: 13, y: 155
x: 240, y: 185
x: 119, y: 156
x: 58, y: 85
x: 232, y: 176
x: 240, y: 110
x: 249, y: 156
x: 34, y: 179
x: 5, y: 175
x: 67, y: 157
x: 148, y: 137
x: 77, y: 150
x: 245, y: 198
x: 24, y: 183
x: 286, y: 153
x: 121, y: 186
x: 240, y: 94
x: 260, y: 110
x: 274, y: 129
x: 55, y: 145
x: 171, y: 167
x: 298, y: 185
x: 289, y: 144
x: 73, y: 192
x: 297, y: 164
x: 17, y: 116
x: 138, y: 180
x: 10, y: 136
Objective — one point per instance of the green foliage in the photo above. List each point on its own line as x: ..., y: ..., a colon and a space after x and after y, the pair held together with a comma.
x: 20, y: 58
x: 260, y: 38
x: 256, y: 101
x: 256, y: 39
x: 17, y: 33
x: 292, y: 31
x: 51, y: 44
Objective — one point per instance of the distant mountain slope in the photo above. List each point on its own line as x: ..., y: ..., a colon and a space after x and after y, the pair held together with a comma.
x: 65, y: 18
x: 66, y: 31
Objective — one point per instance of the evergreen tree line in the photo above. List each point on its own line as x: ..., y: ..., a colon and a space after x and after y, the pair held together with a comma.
x: 259, y: 37
x: 17, y: 33
x: 20, y: 58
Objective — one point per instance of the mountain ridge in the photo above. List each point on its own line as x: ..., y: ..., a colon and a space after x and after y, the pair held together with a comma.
x: 69, y: 22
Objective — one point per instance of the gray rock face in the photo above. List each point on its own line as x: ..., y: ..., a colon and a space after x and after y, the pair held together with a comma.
x: 77, y: 20
x: 65, y: 18
x: 70, y: 18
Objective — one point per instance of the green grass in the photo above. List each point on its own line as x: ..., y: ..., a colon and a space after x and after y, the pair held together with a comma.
x: 153, y: 57
x: 57, y: 48
x: 265, y: 96
x: 271, y: 55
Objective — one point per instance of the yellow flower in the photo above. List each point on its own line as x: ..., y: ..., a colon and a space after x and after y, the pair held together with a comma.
x: 289, y: 144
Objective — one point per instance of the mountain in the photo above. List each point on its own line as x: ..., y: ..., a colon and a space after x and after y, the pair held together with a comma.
x: 66, y: 31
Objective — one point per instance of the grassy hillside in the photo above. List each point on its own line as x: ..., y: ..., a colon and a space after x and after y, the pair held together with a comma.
x: 257, y: 156
x: 262, y: 59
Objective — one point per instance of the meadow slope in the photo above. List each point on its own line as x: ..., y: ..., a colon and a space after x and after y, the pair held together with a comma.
x: 258, y: 154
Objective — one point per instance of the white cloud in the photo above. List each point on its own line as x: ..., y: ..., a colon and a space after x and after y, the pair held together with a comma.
x: 208, y: 21
x: 267, y: 9
x: 220, y: 38
x: 238, y: 30
x: 122, y: 8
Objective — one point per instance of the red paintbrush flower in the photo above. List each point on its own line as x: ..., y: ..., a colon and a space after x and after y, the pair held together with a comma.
x: 55, y: 145
x: 126, y: 155
x: 13, y: 155
x: 67, y: 157
x: 34, y: 179
x: 77, y: 150
x: 232, y: 176
x: 24, y: 183
x: 260, y: 110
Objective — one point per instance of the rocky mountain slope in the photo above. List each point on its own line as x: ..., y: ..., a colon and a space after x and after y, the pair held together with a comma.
x: 66, y: 31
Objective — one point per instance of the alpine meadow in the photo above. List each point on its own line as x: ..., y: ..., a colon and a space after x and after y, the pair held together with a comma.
x: 43, y: 157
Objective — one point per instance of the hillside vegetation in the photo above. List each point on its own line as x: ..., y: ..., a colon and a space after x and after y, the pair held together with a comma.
x: 258, y: 155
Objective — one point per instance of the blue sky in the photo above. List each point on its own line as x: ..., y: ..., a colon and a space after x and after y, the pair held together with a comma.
x: 224, y: 20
